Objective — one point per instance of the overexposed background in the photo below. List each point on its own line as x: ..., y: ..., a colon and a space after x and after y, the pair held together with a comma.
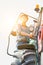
x: 9, y: 11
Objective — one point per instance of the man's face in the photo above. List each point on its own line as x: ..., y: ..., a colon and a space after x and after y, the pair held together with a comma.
x: 24, y: 18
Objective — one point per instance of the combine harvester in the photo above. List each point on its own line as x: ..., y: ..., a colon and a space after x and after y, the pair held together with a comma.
x: 29, y: 39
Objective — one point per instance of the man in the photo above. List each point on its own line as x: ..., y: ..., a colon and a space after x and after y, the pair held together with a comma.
x: 26, y: 35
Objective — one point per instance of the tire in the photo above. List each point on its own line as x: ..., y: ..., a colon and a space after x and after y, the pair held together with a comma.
x: 29, y: 58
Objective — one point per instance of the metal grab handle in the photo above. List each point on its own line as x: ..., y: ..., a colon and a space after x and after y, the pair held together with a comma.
x: 8, y: 48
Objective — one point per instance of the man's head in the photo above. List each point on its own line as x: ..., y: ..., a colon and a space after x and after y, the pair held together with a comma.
x: 23, y: 17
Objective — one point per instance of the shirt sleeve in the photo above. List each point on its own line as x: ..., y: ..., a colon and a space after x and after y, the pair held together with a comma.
x: 18, y: 29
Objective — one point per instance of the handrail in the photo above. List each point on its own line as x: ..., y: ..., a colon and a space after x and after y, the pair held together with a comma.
x: 8, y: 48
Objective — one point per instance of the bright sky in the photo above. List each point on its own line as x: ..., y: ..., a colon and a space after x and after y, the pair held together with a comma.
x: 10, y: 9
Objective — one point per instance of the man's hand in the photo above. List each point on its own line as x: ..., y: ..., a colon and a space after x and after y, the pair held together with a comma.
x: 31, y: 35
x: 13, y: 33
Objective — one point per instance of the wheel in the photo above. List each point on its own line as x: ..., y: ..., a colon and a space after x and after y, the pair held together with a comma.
x: 29, y: 58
